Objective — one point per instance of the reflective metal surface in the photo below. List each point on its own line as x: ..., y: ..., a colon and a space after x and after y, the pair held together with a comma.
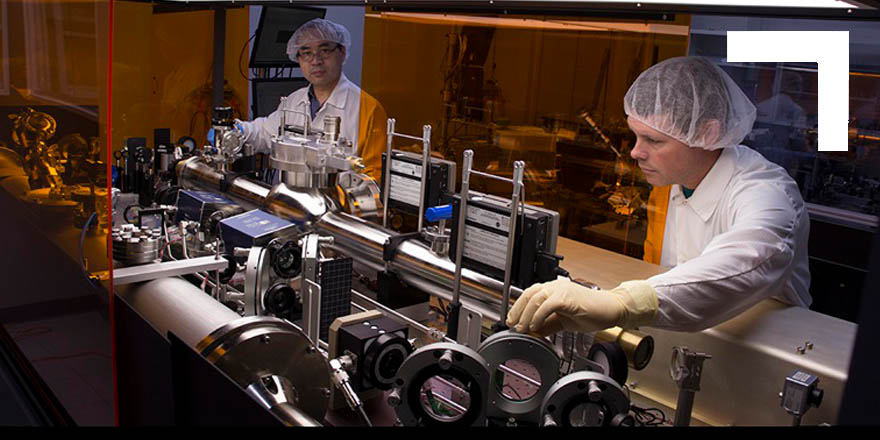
x: 194, y: 173
x: 247, y: 350
x: 460, y: 377
x: 584, y: 398
x: 278, y: 394
x: 172, y: 304
x: 536, y: 352
x: 301, y: 205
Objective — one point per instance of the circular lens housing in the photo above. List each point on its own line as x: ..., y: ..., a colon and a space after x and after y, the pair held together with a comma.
x: 287, y: 260
x: 445, y: 398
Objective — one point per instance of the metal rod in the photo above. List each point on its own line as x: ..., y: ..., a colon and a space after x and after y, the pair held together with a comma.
x: 426, y: 165
x: 421, y: 327
x: 283, y: 108
x: 518, y: 170
x: 519, y: 375
x: 684, y: 408
x: 455, y: 304
x: 446, y: 400
x: 406, y: 136
x: 492, y: 176
x: 387, y: 191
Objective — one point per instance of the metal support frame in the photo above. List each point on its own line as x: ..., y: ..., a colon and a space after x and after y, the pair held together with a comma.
x: 312, y: 307
x: 517, y: 207
x: 426, y: 163
x: 147, y: 272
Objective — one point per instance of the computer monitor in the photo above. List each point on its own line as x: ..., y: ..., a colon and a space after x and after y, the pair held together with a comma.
x: 277, y: 24
x: 267, y: 93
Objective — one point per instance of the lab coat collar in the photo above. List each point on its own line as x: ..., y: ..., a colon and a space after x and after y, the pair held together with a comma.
x: 706, y: 195
x: 338, y: 97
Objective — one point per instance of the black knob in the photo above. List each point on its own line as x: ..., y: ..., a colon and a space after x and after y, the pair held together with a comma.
x: 815, y: 398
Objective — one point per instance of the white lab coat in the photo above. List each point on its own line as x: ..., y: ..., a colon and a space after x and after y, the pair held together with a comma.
x: 344, y: 102
x: 740, y: 238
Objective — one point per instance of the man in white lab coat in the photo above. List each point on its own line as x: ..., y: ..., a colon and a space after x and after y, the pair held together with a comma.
x: 732, y: 225
x: 321, y: 48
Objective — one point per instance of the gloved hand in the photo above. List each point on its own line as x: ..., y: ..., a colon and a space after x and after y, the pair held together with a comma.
x: 547, y: 308
x: 243, y: 127
x: 357, y: 164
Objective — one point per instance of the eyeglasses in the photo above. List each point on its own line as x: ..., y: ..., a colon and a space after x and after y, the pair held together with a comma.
x: 321, y: 54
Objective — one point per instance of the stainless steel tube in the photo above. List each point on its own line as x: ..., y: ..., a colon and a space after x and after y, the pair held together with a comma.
x: 414, y: 262
x: 175, y: 305
x: 194, y: 173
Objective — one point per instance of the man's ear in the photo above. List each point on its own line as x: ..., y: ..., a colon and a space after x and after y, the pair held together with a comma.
x: 711, y: 132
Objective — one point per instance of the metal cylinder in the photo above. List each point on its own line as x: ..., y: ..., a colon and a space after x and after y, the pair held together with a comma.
x: 639, y: 347
x: 175, y: 305
x: 414, y: 261
x: 194, y: 173
x: 331, y: 128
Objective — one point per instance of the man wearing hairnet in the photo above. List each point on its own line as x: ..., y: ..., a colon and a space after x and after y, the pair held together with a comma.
x: 321, y: 48
x: 731, y: 224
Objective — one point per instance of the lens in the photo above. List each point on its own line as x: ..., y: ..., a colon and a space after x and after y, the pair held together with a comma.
x: 390, y: 363
x: 445, y: 398
x: 517, y: 380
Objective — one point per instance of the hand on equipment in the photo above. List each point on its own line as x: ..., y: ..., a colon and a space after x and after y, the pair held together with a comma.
x: 357, y: 164
x: 242, y: 127
x: 547, y: 308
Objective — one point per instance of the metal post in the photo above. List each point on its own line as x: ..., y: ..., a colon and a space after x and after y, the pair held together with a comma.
x: 684, y: 407
x: 219, y: 51
x: 455, y: 305
x: 307, y: 121
x: 283, y: 108
x: 518, y: 171
x: 387, y: 186
x: 426, y: 165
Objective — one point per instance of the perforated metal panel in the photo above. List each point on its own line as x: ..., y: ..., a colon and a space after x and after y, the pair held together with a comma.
x: 335, y: 276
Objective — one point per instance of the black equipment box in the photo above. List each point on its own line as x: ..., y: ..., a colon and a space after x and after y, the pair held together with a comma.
x: 406, y: 176
x: 485, y: 241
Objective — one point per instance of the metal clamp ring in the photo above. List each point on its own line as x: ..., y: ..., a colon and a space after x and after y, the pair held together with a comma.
x: 445, y: 363
x: 543, y: 356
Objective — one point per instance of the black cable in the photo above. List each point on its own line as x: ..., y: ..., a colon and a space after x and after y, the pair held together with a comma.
x: 364, y: 417
x: 242, y: 54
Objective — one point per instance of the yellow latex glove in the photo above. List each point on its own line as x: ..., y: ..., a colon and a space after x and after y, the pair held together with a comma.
x: 547, y: 308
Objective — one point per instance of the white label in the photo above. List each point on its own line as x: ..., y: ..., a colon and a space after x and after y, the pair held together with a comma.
x: 406, y: 168
x: 491, y: 219
x: 405, y: 190
x: 484, y: 246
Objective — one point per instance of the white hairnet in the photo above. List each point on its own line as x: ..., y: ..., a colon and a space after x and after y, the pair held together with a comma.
x: 678, y: 96
x: 318, y: 29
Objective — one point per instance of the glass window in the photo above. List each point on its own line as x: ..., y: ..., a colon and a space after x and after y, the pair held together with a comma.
x: 54, y: 203
x: 841, y: 189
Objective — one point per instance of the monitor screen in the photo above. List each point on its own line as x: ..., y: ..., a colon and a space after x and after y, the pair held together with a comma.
x: 267, y: 93
x: 277, y: 24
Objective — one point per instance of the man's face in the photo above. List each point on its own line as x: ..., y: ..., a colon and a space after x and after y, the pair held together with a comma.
x: 664, y: 160
x: 321, y: 62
